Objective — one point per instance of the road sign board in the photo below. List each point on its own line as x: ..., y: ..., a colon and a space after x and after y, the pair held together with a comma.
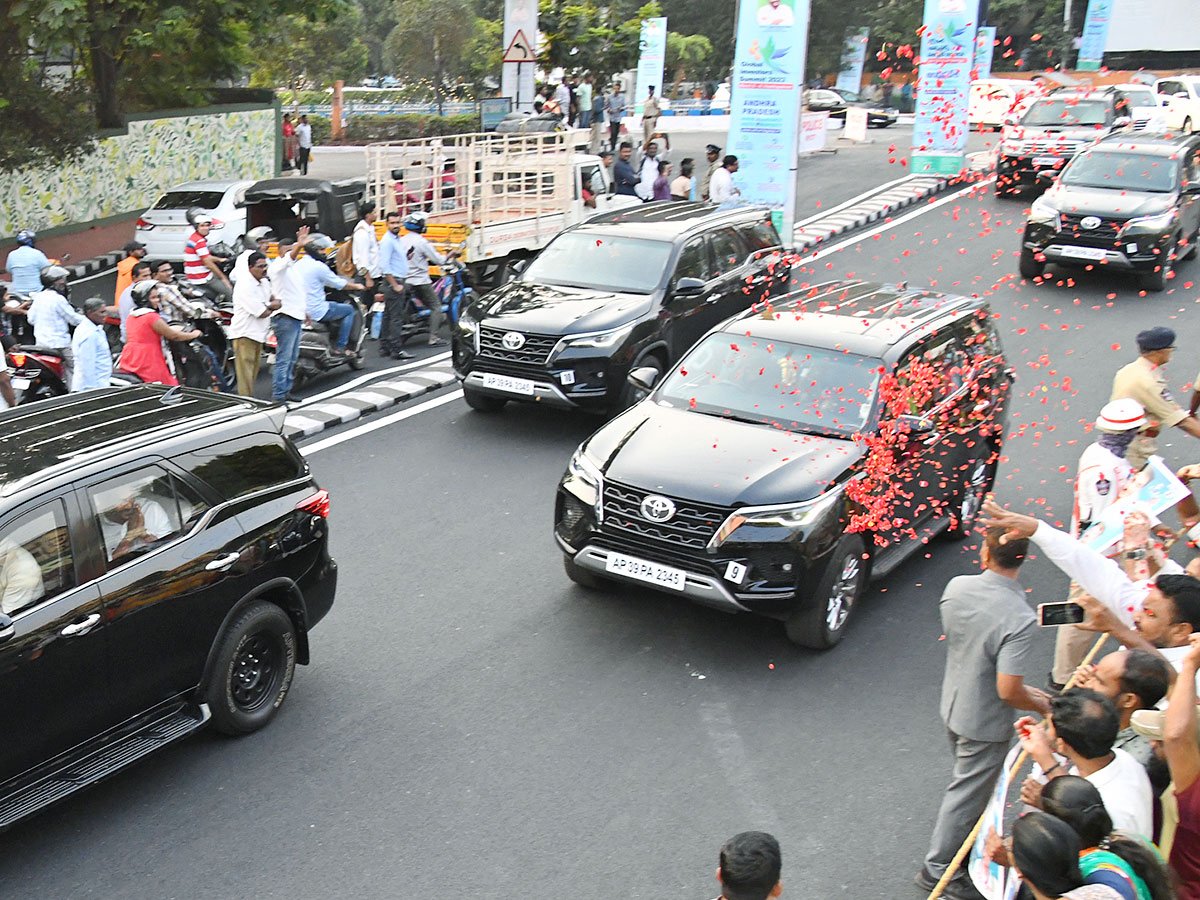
x: 519, y: 50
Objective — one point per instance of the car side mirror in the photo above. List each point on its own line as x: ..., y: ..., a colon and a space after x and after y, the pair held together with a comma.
x: 519, y: 266
x: 1182, y: 95
x: 1192, y: 187
x: 1010, y: 120
x: 643, y: 378
x: 914, y: 426
x: 1122, y: 122
x: 688, y: 286
x: 1046, y: 178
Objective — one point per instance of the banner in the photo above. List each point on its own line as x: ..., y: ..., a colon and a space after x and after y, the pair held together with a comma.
x: 650, y: 64
x: 1155, y: 489
x: 993, y: 881
x: 814, y: 128
x: 1095, y: 35
x: 943, y: 86
x: 985, y: 46
x: 519, y: 15
x: 768, y: 81
x: 854, y: 55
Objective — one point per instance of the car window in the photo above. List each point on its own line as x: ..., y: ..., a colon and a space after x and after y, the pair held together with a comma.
x: 240, y: 467
x: 728, y: 252
x: 186, y: 199
x: 759, y: 235
x: 140, y: 510
x: 930, y: 373
x: 35, y: 558
x: 693, y: 261
x: 1170, y: 87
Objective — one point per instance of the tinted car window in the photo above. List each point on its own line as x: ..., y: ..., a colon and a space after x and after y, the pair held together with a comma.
x: 35, y: 558
x: 583, y: 259
x: 136, y: 512
x: 727, y: 250
x: 759, y: 235
x: 1130, y: 171
x: 925, y: 375
x: 184, y: 199
x: 693, y: 261
x: 1067, y: 112
x: 237, y: 468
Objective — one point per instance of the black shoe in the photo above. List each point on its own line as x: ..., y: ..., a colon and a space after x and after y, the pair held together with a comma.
x: 385, y: 352
x: 958, y: 888
x: 292, y: 398
x: 1052, y: 686
x: 401, y: 354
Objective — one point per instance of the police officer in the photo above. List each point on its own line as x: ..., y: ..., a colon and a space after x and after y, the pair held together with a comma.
x: 1143, y: 380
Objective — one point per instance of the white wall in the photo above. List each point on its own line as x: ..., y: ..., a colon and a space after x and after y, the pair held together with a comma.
x: 1154, y: 25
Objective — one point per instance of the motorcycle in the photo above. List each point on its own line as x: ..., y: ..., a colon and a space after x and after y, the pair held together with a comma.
x: 205, y: 362
x: 316, y: 342
x: 454, y: 290
x: 37, y: 373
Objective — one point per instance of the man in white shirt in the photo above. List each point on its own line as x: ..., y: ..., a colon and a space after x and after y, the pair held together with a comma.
x: 53, y: 318
x: 132, y: 525
x: 364, y: 248
x: 648, y: 172
x: 256, y: 239
x: 252, y: 308
x: 304, y: 141
x: 776, y: 13
x: 288, y: 321
x: 20, y: 577
x: 720, y: 187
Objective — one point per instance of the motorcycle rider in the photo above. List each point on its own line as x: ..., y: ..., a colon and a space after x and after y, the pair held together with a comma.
x: 314, y: 276
x: 200, y: 266
x: 421, y: 254
x: 255, y: 240
x: 25, y: 263
x: 143, y: 271
x: 143, y: 355
x: 52, y: 317
x: 93, y: 359
x: 172, y: 305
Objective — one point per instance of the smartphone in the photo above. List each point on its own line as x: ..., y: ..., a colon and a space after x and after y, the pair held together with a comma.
x: 1059, y: 614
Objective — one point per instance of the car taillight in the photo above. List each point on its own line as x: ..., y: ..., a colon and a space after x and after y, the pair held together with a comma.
x: 217, y: 224
x: 143, y: 225
x: 317, y: 504
x: 18, y: 359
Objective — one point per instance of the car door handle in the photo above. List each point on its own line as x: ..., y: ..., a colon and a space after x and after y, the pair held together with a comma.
x: 712, y: 298
x: 75, y: 629
x: 223, y: 562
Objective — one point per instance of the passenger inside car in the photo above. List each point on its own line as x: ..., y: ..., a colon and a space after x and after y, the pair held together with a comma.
x: 132, y: 525
x: 20, y: 577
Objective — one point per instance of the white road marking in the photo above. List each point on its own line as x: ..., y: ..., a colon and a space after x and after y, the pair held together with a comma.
x: 350, y: 385
x: 865, y: 195
x: 317, y: 447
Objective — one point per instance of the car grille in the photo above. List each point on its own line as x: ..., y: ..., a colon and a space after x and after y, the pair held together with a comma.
x: 1051, y: 148
x: 630, y: 545
x: 535, y: 351
x: 1104, y: 235
x: 692, y: 526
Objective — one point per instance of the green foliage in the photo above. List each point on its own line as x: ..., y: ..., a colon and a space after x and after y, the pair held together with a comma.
x: 686, y: 56
x: 378, y: 20
x: 582, y: 36
x: 296, y: 49
x: 366, y: 129
x: 430, y: 42
x: 41, y: 125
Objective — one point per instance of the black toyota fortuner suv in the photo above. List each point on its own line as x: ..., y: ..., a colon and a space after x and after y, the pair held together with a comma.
x: 798, y: 450
x: 164, y: 553
x: 629, y: 290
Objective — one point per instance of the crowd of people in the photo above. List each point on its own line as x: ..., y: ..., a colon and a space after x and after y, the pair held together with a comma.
x: 1111, y: 809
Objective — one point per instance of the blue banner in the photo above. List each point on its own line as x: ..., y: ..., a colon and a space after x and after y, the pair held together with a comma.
x: 985, y: 46
x: 944, y: 85
x: 1095, y: 35
x: 650, y: 63
x: 768, y: 81
x: 854, y: 55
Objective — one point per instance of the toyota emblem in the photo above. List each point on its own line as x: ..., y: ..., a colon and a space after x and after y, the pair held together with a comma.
x: 657, y: 509
x: 513, y: 340
x: 1089, y: 222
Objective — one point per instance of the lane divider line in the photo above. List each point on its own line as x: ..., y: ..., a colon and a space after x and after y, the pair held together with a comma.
x: 346, y: 406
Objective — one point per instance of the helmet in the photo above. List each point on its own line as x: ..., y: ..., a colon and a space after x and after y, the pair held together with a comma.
x: 53, y: 274
x: 262, y: 233
x: 140, y: 292
x: 320, y: 242
x: 197, y: 216
x: 415, y: 221
x: 25, y: 237
x: 1125, y: 414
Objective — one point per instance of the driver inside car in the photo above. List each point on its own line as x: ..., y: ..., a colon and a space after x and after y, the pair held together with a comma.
x: 132, y: 525
x: 20, y: 577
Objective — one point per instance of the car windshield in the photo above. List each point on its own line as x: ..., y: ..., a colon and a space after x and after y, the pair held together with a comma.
x: 850, y: 96
x: 787, y: 386
x: 583, y: 259
x: 186, y: 199
x: 1140, y: 98
x: 1098, y: 168
x: 1067, y: 112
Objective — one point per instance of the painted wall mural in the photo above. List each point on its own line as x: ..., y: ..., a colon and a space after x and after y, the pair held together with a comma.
x: 126, y: 172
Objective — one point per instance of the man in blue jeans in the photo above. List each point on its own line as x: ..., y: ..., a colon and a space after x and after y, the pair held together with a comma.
x: 314, y: 276
x: 288, y: 320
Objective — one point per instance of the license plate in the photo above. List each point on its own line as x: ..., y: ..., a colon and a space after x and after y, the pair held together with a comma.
x: 1084, y: 252
x: 642, y: 570
x: 21, y: 384
x: 505, y: 383
x: 1047, y: 160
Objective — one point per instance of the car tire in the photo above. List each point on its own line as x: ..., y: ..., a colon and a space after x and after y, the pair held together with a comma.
x: 967, y: 502
x: 253, y: 669
x: 483, y: 403
x: 822, y: 621
x: 631, y: 395
x: 582, y: 576
x: 1156, y: 281
x: 1030, y: 266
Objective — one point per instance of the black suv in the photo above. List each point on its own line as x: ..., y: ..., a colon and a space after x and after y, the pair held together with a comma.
x: 163, y: 555
x: 796, y: 451
x: 1130, y: 201
x: 618, y: 292
x: 1054, y: 128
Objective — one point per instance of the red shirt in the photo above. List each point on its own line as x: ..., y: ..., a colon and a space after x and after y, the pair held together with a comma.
x: 1185, y: 852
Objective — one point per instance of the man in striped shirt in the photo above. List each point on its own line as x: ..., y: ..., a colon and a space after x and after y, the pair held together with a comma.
x: 201, y: 267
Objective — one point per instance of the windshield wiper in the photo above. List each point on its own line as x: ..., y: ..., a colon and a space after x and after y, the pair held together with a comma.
x: 733, y: 417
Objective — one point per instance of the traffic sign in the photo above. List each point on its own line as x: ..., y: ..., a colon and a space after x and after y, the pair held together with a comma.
x: 519, y: 50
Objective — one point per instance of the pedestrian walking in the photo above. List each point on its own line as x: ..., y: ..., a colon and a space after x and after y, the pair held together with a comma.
x: 289, y: 142
x: 421, y: 255
x: 684, y: 185
x: 89, y: 346
x: 721, y: 188
x: 252, y: 308
x: 616, y: 112
x: 989, y: 630
x: 393, y: 267
x: 1144, y: 380
x: 135, y: 251
x: 650, y: 113
x: 624, y: 175
x: 597, y: 121
x: 648, y: 171
x: 304, y: 144
x: 712, y: 153
x: 748, y: 867
x: 288, y: 320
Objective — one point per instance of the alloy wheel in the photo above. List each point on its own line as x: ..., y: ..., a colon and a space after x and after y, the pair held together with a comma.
x: 842, y: 593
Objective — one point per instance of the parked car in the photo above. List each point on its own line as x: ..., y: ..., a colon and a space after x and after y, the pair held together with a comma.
x: 164, y: 227
x: 1147, y: 109
x: 163, y: 556
x: 796, y: 452
x: 836, y: 102
x: 617, y: 292
x: 992, y: 100
x: 1130, y: 201
x: 1182, y: 95
x: 1052, y: 130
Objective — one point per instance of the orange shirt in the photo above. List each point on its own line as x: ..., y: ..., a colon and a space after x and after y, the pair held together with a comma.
x: 124, y: 276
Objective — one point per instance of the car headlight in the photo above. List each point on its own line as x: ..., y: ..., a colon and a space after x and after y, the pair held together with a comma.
x: 1154, y: 223
x: 468, y: 328
x: 792, y: 515
x: 1042, y: 213
x: 596, y: 340
x: 589, y: 475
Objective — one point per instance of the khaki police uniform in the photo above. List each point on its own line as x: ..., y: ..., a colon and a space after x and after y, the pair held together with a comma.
x: 1144, y: 382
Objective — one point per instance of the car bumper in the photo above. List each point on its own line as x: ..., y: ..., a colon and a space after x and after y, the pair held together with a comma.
x: 1132, y: 252
x: 569, y: 381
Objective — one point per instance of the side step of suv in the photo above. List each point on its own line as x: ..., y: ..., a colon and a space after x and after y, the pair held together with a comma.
x: 93, y: 762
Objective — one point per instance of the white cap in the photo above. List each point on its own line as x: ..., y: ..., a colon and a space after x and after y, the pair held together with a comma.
x: 1121, y: 415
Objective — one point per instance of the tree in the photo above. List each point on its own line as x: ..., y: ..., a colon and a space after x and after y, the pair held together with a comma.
x: 686, y: 53
x: 430, y: 42
x: 378, y: 20
x: 295, y: 50
x: 580, y: 36
x: 484, y: 55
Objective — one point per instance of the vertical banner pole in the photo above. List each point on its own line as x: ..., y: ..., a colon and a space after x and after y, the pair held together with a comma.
x: 944, y: 86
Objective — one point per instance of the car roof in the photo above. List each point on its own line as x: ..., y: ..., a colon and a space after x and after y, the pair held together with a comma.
x: 64, y: 434
x: 207, y: 186
x: 1152, y: 144
x: 667, y: 221
x: 867, y: 318
x: 1096, y: 93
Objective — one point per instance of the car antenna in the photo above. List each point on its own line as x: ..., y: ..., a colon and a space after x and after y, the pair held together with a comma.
x: 173, y: 394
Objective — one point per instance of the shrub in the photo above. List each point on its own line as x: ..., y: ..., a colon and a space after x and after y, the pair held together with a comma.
x: 366, y: 129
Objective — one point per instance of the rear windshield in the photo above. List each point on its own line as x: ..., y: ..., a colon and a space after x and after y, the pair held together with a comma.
x: 1067, y: 112
x: 185, y: 199
x: 245, y: 465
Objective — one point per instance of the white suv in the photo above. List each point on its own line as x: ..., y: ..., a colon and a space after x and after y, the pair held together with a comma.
x: 164, y: 227
x: 1182, y: 94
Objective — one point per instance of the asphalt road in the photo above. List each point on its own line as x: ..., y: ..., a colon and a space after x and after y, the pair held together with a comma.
x: 475, y: 725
